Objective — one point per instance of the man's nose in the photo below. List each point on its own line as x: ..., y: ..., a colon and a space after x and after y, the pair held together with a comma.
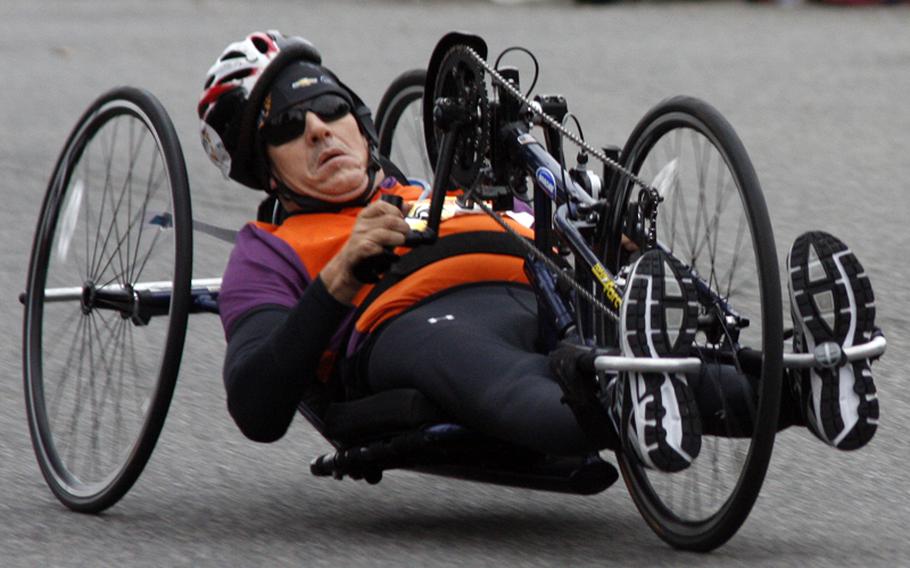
x: 316, y: 128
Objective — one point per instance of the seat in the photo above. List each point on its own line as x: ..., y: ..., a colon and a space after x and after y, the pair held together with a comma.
x: 402, y: 429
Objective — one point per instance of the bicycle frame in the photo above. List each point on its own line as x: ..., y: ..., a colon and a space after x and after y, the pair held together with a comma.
x: 573, y: 225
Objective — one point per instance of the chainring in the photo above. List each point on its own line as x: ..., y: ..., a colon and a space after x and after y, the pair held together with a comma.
x: 461, y: 79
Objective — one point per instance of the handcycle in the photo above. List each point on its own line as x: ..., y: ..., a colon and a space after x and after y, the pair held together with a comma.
x: 109, y: 292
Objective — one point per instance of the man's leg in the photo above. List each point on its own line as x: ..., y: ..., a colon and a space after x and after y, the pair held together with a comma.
x: 831, y: 300
x: 472, y: 353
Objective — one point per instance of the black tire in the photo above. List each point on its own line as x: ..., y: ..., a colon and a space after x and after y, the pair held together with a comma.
x: 399, y: 123
x: 98, y: 380
x: 735, y: 450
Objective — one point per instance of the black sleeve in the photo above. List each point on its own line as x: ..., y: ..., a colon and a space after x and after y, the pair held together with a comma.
x: 272, y: 357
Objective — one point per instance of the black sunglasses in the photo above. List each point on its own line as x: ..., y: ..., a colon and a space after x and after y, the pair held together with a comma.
x: 291, y: 123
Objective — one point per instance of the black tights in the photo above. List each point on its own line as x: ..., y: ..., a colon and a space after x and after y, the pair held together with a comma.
x: 472, y: 352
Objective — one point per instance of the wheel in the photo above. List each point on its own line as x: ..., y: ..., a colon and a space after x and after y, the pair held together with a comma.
x: 107, y: 299
x: 713, y: 218
x: 399, y: 123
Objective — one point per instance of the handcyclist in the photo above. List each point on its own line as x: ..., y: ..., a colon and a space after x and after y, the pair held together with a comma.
x: 459, y: 323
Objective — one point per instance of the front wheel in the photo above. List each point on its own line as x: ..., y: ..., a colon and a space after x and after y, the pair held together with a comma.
x: 399, y: 123
x: 714, y: 220
x: 107, y: 299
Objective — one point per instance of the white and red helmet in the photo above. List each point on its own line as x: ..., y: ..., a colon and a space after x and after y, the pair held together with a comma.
x: 225, y: 108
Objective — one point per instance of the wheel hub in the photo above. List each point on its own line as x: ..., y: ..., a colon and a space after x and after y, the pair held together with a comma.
x: 87, y: 299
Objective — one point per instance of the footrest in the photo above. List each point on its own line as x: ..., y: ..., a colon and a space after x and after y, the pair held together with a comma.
x: 453, y: 451
x: 830, y: 354
x: 647, y: 365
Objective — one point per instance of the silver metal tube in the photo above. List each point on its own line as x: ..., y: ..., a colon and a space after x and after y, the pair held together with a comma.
x: 866, y: 350
x: 647, y: 365
x: 74, y: 293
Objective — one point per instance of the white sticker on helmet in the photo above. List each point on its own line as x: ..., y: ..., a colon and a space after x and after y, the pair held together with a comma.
x: 214, y: 147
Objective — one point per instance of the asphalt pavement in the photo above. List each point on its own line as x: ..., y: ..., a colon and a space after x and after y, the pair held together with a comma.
x: 818, y: 94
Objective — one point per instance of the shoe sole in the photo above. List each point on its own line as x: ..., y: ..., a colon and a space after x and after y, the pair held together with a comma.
x: 833, y: 301
x: 659, y: 319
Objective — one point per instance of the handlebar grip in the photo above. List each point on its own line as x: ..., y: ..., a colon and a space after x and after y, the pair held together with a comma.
x: 415, y: 238
x: 395, y: 200
x: 371, y: 268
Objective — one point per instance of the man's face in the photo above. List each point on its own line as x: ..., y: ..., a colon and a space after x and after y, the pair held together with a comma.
x: 328, y: 161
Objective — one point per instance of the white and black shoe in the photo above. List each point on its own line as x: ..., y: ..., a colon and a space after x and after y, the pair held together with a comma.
x: 831, y: 300
x: 658, y: 318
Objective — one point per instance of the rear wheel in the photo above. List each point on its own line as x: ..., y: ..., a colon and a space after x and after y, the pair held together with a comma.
x: 399, y: 122
x: 107, y: 299
x: 714, y: 220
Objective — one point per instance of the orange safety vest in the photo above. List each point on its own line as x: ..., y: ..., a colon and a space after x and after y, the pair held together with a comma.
x: 318, y: 237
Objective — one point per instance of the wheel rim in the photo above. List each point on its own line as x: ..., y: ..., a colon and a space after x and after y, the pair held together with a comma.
x: 704, y: 223
x: 95, y: 373
x: 402, y: 138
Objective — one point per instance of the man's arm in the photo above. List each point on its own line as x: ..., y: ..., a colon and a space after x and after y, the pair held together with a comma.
x: 273, y: 351
x: 272, y: 357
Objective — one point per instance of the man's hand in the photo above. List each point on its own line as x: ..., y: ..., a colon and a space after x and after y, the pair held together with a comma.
x: 379, y: 225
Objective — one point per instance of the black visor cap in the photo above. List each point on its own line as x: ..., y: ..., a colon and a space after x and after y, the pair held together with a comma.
x: 297, y: 83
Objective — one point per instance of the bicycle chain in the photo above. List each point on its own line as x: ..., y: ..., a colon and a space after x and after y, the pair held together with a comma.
x: 651, y: 198
x: 550, y: 121
x: 530, y: 248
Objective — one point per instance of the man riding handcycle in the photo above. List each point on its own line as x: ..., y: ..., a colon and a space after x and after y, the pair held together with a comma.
x: 476, y: 329
x: 462, y: 328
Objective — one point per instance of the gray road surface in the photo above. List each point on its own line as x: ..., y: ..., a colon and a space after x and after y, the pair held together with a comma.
x: 820, y: 98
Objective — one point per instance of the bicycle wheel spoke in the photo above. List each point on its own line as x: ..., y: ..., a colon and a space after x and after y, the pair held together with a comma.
x: 702, y: 160
x: 734, y: 260
x: 712, y: 233
x: 139, y: 397
x: 73, y: 427
x: 148, y: 254
x: 108, y: 158
x: 87, y: 209
x: 162, y: 221
x: 131, y: 273
x: 95, y: 404
x: 113, y: 229
x: 674, y: 214
x: 76, y: 349
x: 151, y: 189
x: 401, y: 156
x: 112, y: 393
x: 690, y: 228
